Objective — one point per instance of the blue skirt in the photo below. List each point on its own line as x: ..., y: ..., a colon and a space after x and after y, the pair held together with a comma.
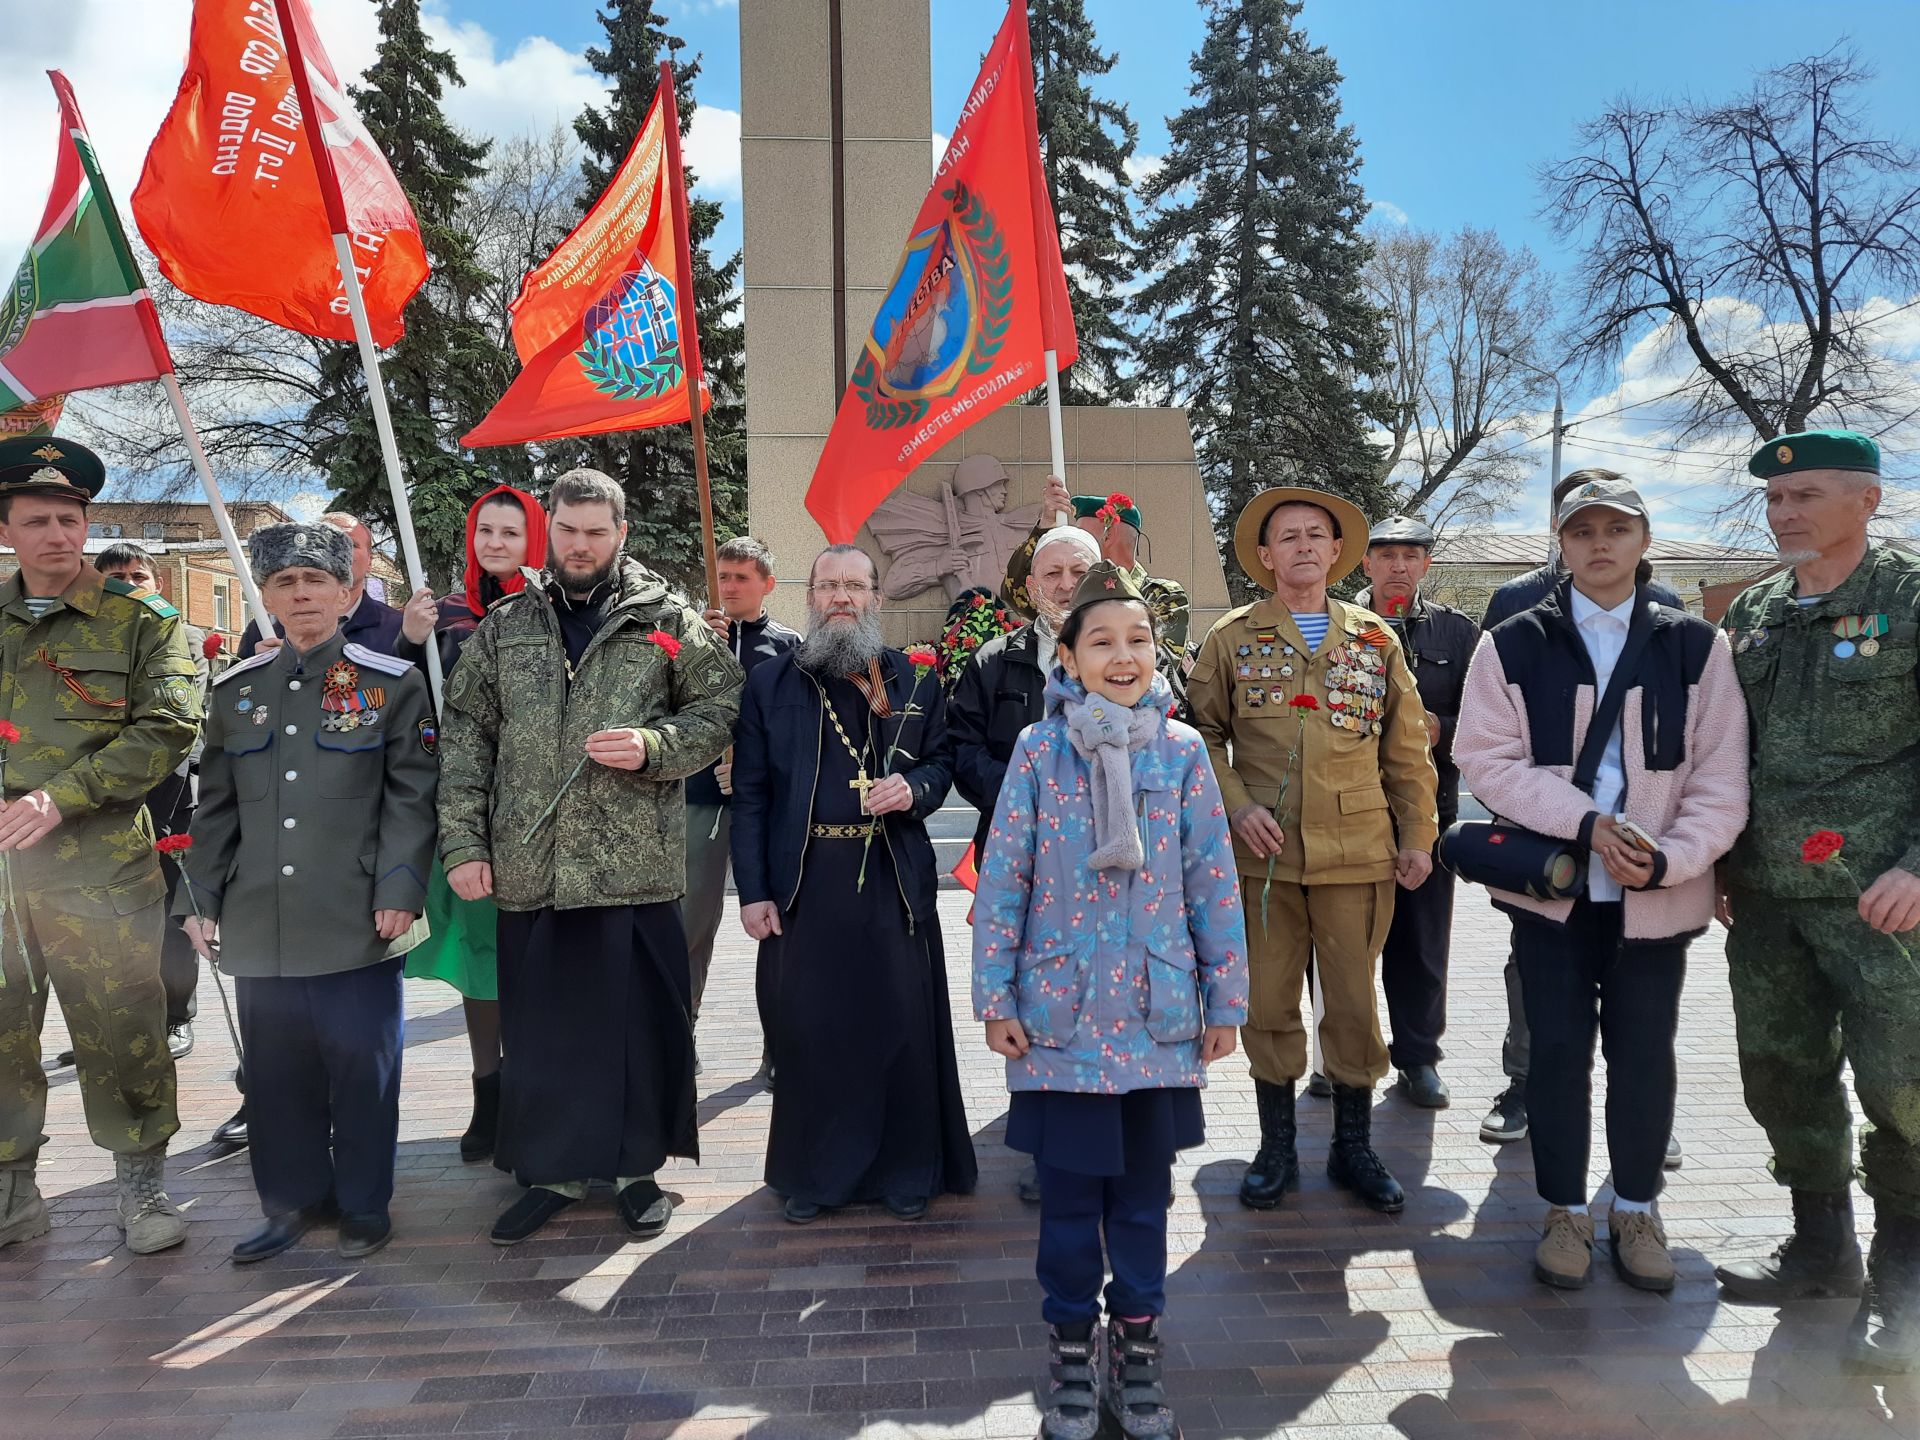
x: 1105, y: 1134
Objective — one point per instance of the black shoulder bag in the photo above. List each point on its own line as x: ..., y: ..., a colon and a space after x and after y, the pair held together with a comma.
x: 1525, y: 862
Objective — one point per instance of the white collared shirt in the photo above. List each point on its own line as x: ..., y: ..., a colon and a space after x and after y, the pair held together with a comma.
x: 1604, y: 633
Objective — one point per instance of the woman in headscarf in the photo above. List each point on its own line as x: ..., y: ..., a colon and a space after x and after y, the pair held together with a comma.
x: 506, y: 530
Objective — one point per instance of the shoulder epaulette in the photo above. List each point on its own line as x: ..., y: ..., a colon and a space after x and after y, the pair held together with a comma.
x: 152, y: 599
x: 374, y: 660
x: 240, y: 667
x: 510, y: 595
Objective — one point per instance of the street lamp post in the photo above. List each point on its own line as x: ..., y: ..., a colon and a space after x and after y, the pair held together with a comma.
x: 1559, y: 426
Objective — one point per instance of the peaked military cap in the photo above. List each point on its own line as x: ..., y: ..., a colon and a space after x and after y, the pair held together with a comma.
x: 46, y: 465
x: 1402, y: 530
x: 1085, y: 507
x: 1106, y: 581
x: 273, y: 548
x: 1815, y: 450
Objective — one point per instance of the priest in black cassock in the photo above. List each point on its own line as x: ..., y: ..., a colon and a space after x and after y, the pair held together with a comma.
x: 840, y: 740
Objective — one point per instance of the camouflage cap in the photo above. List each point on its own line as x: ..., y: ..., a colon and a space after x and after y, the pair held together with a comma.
x: 1402, y: 530
x: 273, y: 548
x: 1815, y: 450
x: 43, y: 465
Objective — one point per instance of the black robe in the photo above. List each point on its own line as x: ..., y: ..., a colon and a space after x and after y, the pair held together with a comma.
x: 867, y: 1102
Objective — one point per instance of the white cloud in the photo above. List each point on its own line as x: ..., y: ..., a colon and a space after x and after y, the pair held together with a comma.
x: 939, y: 148
x: 713, y: 152
x: 1386, y: 210
x: 1141, y: 168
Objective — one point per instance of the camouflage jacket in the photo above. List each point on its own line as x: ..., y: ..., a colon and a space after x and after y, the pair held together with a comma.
x: 1167, y: 599
x: 104, y: 695
x: 516, y: 727
x: 1835, y: 712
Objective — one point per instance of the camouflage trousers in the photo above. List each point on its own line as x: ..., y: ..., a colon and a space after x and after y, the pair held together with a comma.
x: 1813, y: 985
x: 105, y: 967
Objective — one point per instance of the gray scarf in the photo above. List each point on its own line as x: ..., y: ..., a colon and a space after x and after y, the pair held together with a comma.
x: 1105, y: 735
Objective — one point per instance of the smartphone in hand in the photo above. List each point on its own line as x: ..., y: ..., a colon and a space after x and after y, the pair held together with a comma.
x: 1635, y: 836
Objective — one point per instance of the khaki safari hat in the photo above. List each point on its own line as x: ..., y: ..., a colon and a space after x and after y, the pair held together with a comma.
x: 1348, y: 521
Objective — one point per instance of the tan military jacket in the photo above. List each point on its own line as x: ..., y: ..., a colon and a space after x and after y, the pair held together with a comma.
x: 103, y: 693
x: 1360, y: 789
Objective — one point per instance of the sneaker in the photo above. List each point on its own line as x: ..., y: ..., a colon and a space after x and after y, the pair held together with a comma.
x: 1070, y: 1405
x: 1564, y: 1256
x: 180, y: 1040
x: 1507, y: 1120
x: 1673, y: 1160
x: 1135, y: 1396
x: 1640, y: 1249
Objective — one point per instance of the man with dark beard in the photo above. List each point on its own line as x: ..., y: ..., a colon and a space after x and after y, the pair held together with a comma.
x: 578, y: 707
x: 839, y: 757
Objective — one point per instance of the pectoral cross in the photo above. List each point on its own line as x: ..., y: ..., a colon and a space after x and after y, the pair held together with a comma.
x: 861, y: 783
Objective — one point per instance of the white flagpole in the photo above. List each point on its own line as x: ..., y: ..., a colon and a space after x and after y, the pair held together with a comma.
x: 222, y: 521
x: 1056, y: 437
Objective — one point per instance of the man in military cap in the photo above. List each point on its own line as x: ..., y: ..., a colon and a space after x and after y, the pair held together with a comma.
x: 1438, y: 642
x: 1826, y: 653
x: 312, y: 844
x: 1319, y: 740
x: 97, y: 692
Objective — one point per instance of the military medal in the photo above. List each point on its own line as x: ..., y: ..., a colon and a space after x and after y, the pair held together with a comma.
x: 260, y: 716
x: 1869, y: 647
x: 1245, y: 672
x: 1844, y: 649
x: 1266, y: 672
x: 1256, y: 697
x: 344, y: 704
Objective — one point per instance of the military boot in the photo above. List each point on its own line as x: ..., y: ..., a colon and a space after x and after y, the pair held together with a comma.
x: 151, y: 1220
x: 1821, y: 1257
x: 1276, y: 1166
x: 1351, y: 1162
x: 1885, y: 1336
x: 23, y: 1214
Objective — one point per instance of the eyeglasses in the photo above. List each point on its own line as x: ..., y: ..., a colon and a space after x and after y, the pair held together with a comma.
x: 852, y: 589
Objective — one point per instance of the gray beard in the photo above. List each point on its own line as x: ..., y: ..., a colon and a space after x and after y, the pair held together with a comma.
x: 841, y: 649
x: 1796, y: 557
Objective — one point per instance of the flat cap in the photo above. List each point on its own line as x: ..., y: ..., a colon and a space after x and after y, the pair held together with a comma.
x: 1402, y: 530
x: 1607, y: 494
x: 1815, y: 450
x: 44, y: 465
x: 273, y: 548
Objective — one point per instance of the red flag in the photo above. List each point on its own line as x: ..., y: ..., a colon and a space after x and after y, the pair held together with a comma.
x: 600, y: 325
x: 230, y: 199
x: 76, y: 315
x: 963, y: 328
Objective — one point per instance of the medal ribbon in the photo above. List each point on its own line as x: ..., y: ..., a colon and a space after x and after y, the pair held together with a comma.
x: 72, y: 682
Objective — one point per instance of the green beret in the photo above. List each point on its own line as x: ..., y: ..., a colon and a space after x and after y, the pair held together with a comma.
x: 1815, y: 450
x: 44, y: 465
x: 1087, y: 506
x: 1105, y: 581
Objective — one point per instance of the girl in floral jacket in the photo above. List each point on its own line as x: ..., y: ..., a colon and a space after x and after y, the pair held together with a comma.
x: 1110, y: 969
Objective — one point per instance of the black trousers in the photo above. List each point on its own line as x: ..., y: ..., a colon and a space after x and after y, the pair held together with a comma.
x: 1413, y: 970
x: 1579, y: 979
x: 170, y: 803
x: 323, y: 1086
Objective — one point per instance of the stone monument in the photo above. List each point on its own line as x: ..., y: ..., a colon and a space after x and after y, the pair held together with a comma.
x: 836, y: 138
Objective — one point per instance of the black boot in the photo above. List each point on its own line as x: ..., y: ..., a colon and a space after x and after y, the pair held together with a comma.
x: 1885, y: 1336
x: 1351, y: 1162
x: 1276, y: 1168
x: 1070, y: 1409
x: 477, y: 1143
x: 1821, y: 1257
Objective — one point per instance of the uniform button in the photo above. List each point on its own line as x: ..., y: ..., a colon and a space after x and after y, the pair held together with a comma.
x: 293, y: 684
x: 289, y: 822
x: 293, y: 774
x: 293, y: 729
x: 286, y: 869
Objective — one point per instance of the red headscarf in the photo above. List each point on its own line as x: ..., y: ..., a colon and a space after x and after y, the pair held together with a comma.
x: 536, y: 545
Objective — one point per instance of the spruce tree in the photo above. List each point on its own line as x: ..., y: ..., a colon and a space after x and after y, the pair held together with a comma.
x: 438, y: 374
x: 655, y: 467
x: 1256, y: 318
x: 1085, y: 144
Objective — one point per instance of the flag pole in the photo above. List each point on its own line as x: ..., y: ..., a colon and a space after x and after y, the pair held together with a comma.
x: 222, y: 521
x: 689, y: 328
x: 362, y: 328
x: 1049, y: 324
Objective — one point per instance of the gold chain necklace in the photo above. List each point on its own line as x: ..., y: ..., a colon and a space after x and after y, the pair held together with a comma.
x: 860, y: 782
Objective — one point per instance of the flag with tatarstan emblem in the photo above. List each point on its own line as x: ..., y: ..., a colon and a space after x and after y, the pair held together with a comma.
x: 959, y: 332
x: 599, y: 325
x: 76, y: 314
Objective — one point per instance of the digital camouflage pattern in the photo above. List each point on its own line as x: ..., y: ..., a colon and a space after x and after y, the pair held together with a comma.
x: 514, y: 731
x: 1834, y: 698
x: 1167, y: 599
x: 103, y: 692
x: 1813, y: 986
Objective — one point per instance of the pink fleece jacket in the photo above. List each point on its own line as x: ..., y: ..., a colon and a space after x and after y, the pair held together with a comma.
x: 1695, y: 812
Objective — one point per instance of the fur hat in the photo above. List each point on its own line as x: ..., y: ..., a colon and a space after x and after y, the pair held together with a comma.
x: 273, y: 548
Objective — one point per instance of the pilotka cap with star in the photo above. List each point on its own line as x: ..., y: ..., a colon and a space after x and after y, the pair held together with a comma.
x: 273, y: 548
x: 46, y: 465
x: 1608, y: 494
x: 1105, y: 581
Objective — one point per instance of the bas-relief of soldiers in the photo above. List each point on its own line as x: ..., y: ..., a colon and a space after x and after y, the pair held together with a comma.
x: 960, y: 539
x: 1311, y: 787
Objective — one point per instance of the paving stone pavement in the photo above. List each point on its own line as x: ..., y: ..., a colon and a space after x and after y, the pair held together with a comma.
x: 1322, y: 1321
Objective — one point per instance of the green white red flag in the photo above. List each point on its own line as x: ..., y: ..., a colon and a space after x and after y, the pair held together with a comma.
x: 76, y: 315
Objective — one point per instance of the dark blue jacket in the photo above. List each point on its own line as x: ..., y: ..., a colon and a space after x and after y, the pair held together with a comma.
x: 370, y: 623
x: 751, y: 641
x: 778, y: 745
x: 1523, y: 592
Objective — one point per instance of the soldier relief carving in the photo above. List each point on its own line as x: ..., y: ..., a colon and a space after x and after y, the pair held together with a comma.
x: 961, y: 538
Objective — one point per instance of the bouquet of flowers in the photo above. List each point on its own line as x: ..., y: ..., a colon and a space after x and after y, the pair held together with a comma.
x: 974, y: 619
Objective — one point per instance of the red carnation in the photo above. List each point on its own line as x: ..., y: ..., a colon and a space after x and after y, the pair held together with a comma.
x: 9, y: 732
x: 1304, y: 702
x: 1821, y: 846
x: 1120, y: 501
x: 173, y: 844
x: 922, y: 658
x: 980, y: 602
x: 211, y: 646
x: 1397, y: 606
x: 666, y: 642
